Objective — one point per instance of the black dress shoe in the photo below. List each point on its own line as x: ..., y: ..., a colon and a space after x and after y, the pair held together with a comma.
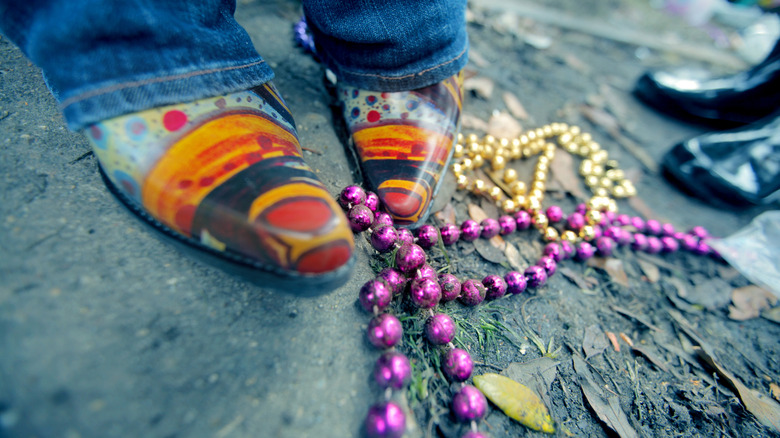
x: 730, y: 101
x: 736, y: 167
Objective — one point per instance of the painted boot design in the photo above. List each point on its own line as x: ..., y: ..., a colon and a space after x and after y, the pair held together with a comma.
x: 404, y: 141
x: 225, y: 177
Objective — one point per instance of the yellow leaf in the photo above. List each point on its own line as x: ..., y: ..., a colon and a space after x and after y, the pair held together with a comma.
x: 517, y: 401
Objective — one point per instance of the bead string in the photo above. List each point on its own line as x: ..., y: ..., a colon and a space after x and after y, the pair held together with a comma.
x: 596, y: 221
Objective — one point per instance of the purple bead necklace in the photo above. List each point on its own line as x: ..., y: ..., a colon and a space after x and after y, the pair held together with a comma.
x: 585, y: 233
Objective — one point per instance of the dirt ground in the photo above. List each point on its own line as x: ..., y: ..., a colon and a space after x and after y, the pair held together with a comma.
x: 107, y: 332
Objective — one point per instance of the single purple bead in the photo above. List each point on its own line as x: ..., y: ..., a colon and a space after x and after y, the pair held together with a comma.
x: 535, y: 275
x: 553, y: 249
x: 426, y: 271
x: 383, y: 238
x: 581, y: 208
x: 679, y: 235
x: 654, y: 245
x: 638, y: 223
x: 585, y: 251
x: 669, y: 244
x: 522, y: 220
x: 576, y: 221
x: 567, y: 248
x: 472, y: 292
x: 495, y: 287
x: 607, y: 218
x: 639, y: 242
x: 385, y: 420
x: 625, y: 237
x: 667, y: 229
x: 427, y: 236
x: 469, y: 404
x: 700, y: 232
x: 605, y: 245
x: 409, y: 258
x: 554, y: 213
x: 613, y: 232
x: 377, y: 293
x: 381, y: 218
x: 490, y: 228
x: 450, y: 287
x: 450, y: 233
x: 372, y: 201
x: 507, y: 225
x: 623, y: 220
x: 425, y: 293
x: 474, y: 434
x: 689, y: 242
x: 457, y: 364
x: 394, y: 278
x: 470, y: 230
x: 653, y: 227
x: 440, y: 329
x: 352, y: 195
x: 405, y: 236
x: 384, y: 331
x: 597, y: 231
x: 392, y: 370
x: 360, y: 218
x: 549, y: 265
x: 702, y: 248
x: 515, y: 282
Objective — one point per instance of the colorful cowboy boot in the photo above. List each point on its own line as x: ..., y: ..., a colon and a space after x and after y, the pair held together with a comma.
x: 404, y: 141
x: 225, y: 178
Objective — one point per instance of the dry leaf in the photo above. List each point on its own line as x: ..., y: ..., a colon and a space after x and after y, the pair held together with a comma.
x: 651, y: 271
x: 481, y: 85
x: 626, y: 312
x: 517, y: 401
x: 594, y: 341
x: 613, y: 339
x: 651, y: 356
x: 446, y: 215
x: 477, y: 58
x: 613, y: 267
x: 514, y: 258
x: 476, y: 213
x: 607, y: 408
x: 772, y: 314
x: 626, y: 339
x: 564, y: 171
x: 574, y: 62
x: 774, y: 389
x: 514, y: 105
x: 574, y: 277
x: 712, y: 294
x: 473, y: 123
x: 503, y: 125
x: 601, y: 118
x: 749, y: 301
x: 489, y: 251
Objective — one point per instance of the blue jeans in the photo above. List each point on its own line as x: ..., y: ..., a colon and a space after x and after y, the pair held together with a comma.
x: 105, y: 58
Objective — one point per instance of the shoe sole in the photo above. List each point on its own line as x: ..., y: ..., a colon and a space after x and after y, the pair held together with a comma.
x: 265, y: 276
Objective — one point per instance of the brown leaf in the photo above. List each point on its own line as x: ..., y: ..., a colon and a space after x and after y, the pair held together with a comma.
x: 613, y: 267
x: 503, y: 125
x: 651, y: 271
x: 514, y: 258
x: 626, y: 312
x: 489, y: 252
x: 749, y: 301
x: 712, y: 294
x: 565, y: 173
x: 774, y: 390
x: 471, y: 122
x: 607, y: 407
x: 602, y: 118
x: 476, y: 213
x: 513, y: 104
x: 481, y: 85
x: 651, y: 356
x: 772, y: 314
x: 574, y: 277
x: 613, y: 339
x: 594, y: 341
x: 446, y: 215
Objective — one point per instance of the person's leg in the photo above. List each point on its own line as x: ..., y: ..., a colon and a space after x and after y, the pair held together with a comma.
x: 189, y: 134
x: 397, y: 64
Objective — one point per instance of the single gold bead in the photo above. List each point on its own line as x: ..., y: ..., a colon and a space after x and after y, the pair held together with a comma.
x: 540, y: 175
x: 543, y: 160
x: 611, y: 164
x: 472, y: 138
x: 569, y: 236
x: 537, y: 194
x: 586, y: 167
x: 462, y: 182
x: 540, y: 221
x: 583, y: 151
x: 612, y: 206
x: 593, y: 217
x: 592, y: 181
x: 601, y: 191
x: 542, y: 167
x: 478, y: 186
x: 524, y: 139
x: 574, y: 130
x: 538, y: 185
x: 550, y: 234
x: 587, y: 232
x: 549, y: 154
x: 503, y: 142
x: 460, y: 137
x: 474, y: 149
x: 489, y: 139
x: 547, y: 130
x: 478, y: 161
x: 501, y: 151
x: 495, y: 193
x: 539, y: 133
x: 571, y: 147
x: 531, y: 135
x: 596, y: 203
x: 516, y: 152
x: 564, y: 139
x: 619, y: 191
x: 594, y: 147
x: 630, y: 189
x: 606, y: 182
x: 615, y: 174
x: 498, y: 163
x: 585, y: 137
x: 488, y: 151
x: 515, y: 142
x: 533, y: 204
x: 518, y: 188
x: 508, y: 206
x: 468, y: 164
x: 459, y: 151
x: 527, y: 152
x: 521, y: 201
x: 510, y: 175
x: 457, y: 169
x: 600, y: 157
x: 598, y: 169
